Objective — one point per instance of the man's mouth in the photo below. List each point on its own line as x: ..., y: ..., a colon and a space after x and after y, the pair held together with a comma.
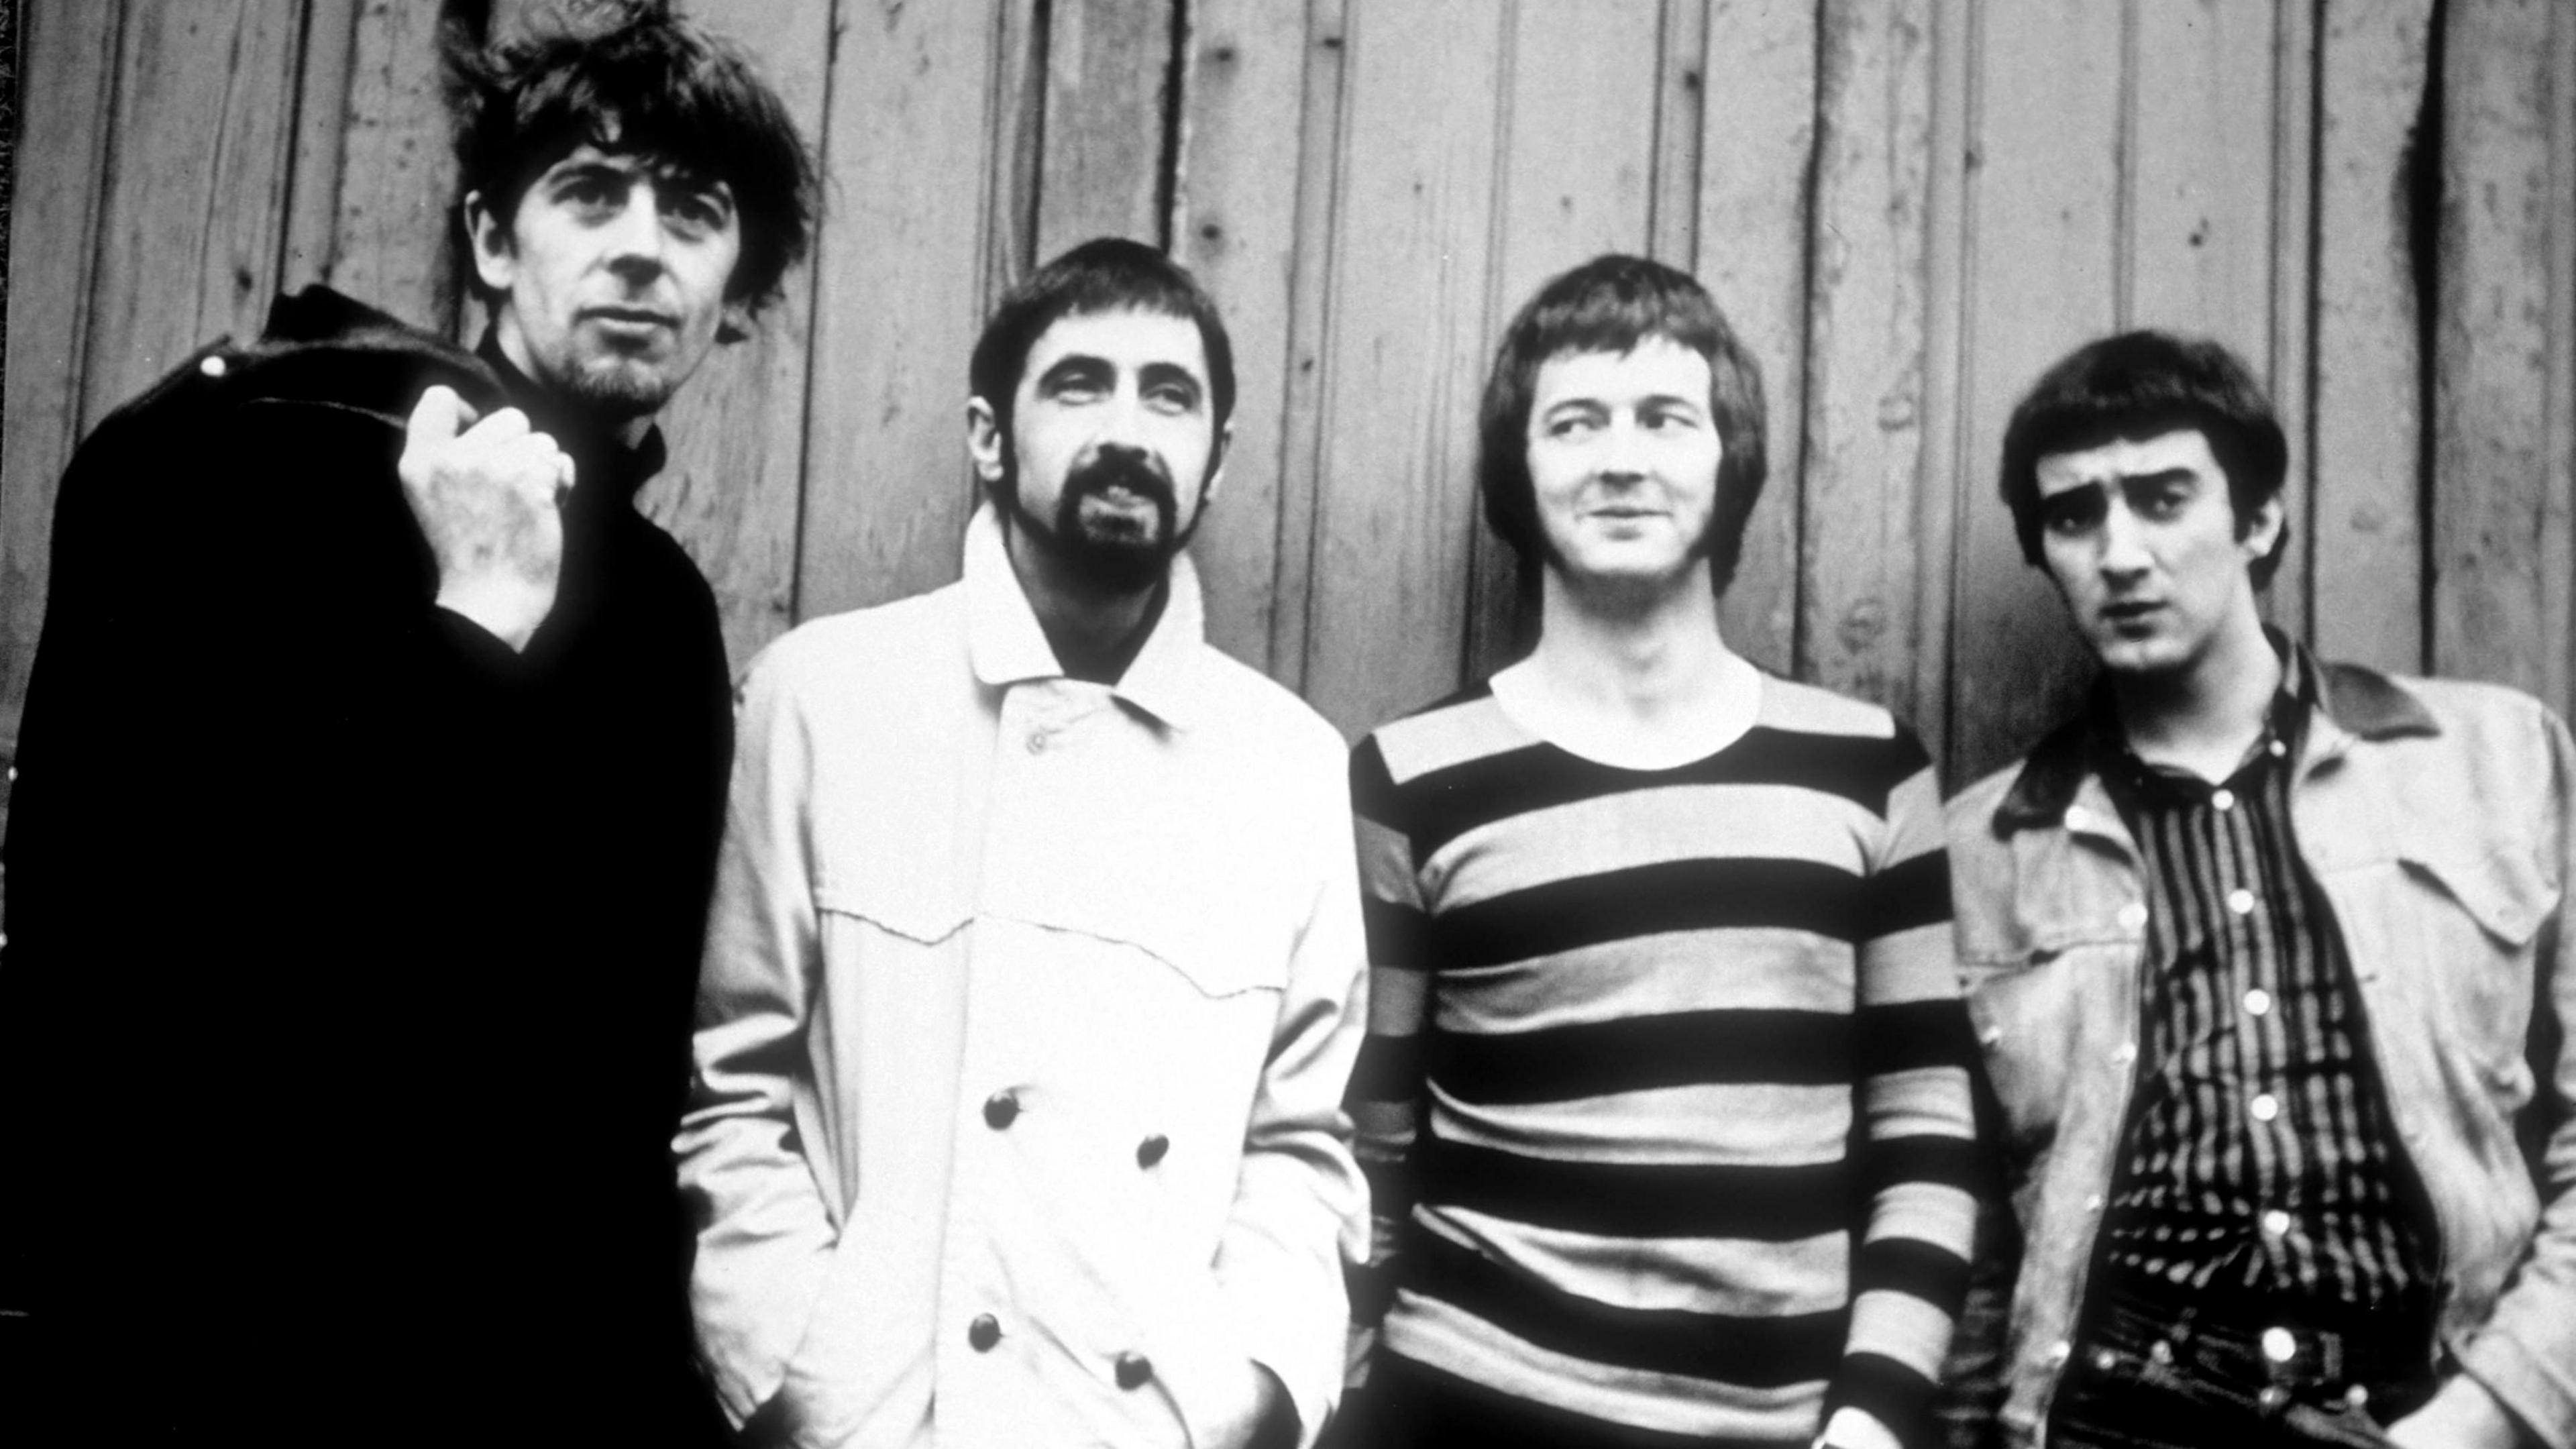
x: 634, y: 319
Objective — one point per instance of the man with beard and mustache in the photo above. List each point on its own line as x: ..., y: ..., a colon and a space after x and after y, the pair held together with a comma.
x: 1033, y: 978
x: 1665, y: 1103
x: 370, y: 785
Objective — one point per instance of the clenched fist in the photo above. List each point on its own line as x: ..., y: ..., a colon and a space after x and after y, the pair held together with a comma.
x: 489, y: 497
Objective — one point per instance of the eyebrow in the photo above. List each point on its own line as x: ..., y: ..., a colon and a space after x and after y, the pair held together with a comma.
x: 2126, y: 481
x: 1157, y: 374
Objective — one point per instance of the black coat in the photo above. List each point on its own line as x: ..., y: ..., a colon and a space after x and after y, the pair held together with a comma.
x: 343, y: 1019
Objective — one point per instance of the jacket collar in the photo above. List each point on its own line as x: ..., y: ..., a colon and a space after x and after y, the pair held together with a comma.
x: 2352, y: 702
x: 1007, y: 646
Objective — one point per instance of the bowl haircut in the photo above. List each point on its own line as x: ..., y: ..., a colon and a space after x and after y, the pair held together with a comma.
x: 1611, y: 304
x: 2139, y: 385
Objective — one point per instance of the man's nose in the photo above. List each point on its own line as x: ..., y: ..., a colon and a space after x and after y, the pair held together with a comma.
x: 635, y: 236
x: 2124, y: 543
x: 1622, y: 455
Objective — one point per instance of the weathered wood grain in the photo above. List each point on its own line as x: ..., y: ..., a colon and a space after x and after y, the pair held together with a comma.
x: 2043, y: 241
x: 2499, y: 495
x: 1680, y: 117
x: 1757, y: 141
x: 68, y: 78
x: 732, y: 491
x: 908, y: 150
x: 2292, y: 365
x: 1952, y: 482
x: 1102, y: 175
x: 1577, y: 159
x: 395, y: 178
x: 1866, y: 319
x: 2367, y: 575
x: 1310, y: 292
x: 193, y: 219
x: 1235, y: 224
x: 1404, y: 358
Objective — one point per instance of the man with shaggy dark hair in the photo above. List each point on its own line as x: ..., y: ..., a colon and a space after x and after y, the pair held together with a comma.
x: 369, y: 792
x: 2269, y: 961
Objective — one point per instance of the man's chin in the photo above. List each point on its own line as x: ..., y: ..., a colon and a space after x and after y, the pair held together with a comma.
x: 622, y: 388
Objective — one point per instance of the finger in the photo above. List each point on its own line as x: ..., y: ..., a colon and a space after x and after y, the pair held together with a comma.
x: 566, y: 475
x: 439, y: 415
x: 506, y: 425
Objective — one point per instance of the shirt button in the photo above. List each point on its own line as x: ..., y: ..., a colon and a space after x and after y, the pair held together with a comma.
x: 2276, y: 749
x: 2241, y: 901
x: 2223, y: 800
x: 2357, y: 1396
x: 1037, y: 744
x: 2093, y: 1204
x: 2105, y: 1360
x: 1001, y: 1109
x: 983, y: 1333
x: 2123, y: 1054
x: 2132, y: 916
x: 1991, y: 1035
x: 2279, y: 1346
x: 2265, y: 1106
x: 2078, y: 818
x: 213, y: 367
x: 1151, y: 1150
x: 2258, y: 1002
x: 2059, y: 1352
x: 2276, y: 1223
x: 1134, y: 1369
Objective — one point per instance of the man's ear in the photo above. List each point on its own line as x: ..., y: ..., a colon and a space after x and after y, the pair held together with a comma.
x: 2262, y: 528
x: 1216, y: 465
x: 734, y: 325
x: 496, y: 253
x: 984, y: 440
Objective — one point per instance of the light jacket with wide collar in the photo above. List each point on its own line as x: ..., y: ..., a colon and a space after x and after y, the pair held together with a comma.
x: 2435, y: 818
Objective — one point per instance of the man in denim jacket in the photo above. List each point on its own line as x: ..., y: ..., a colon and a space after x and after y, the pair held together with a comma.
x: 2269, y: 961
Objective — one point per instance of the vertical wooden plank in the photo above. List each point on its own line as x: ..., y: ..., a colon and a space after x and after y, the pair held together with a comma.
x: 2558, y: 556
x: 908, y: 152
x: 395, y: 176
x: 1756, y: 142
x: 1236, y: 227
x: 2291, y: 366
x: 194, y: 216
x: 1106, y: 65
x: 731, y: 492
x: 2366, y: 577
x: 1578, y: 165
x: 1310, y: 290
x: 2500, y: 497
x: 2200, y: 184
x: 1954, y: 483
x: 321, y: 121
x: 1680, y: 117
x: 1404, y: 356
x: 1867, y: 311
x: 67, y: 85
x: 2042, y: 239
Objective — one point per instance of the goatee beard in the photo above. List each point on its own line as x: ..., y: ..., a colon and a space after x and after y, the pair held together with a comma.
x: 1119, y: 560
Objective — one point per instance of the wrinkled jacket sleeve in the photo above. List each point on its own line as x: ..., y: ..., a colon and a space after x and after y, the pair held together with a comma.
x: 764, y: 1230
x: 2526, y: 1353
x: 1299, y: 1204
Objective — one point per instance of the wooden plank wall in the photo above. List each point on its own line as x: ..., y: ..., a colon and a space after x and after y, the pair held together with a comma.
x: 1909, y: 207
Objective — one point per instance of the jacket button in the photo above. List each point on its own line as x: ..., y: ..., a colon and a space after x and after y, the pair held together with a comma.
x: 983, y: 1333
x: 1001, y: 1109
x: 1151, y: 1150
x: 214, y: 366
x: 1133, y: 1370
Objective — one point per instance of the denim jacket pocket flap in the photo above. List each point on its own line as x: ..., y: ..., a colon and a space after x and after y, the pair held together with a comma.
x: 2504, y: 890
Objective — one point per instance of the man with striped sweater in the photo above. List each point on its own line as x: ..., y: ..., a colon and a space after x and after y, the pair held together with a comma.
x: 1665, y: 1100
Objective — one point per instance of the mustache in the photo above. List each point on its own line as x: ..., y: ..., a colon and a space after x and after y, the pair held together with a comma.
x: 1142, y: 474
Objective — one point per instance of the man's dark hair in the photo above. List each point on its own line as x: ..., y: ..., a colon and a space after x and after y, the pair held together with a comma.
x: 1610, y: 304
x: 635, y: 78
x: 2137, y: 385
x: 1105, y: 274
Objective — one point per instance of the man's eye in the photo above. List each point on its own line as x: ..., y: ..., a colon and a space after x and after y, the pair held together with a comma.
x: 695, y: 215
x: 1572, y: 426
x: 1669, y: 420
x: 1171, y: 398
x: 2162, y: 502
x: 2072, y: 517
x: 589, y: 194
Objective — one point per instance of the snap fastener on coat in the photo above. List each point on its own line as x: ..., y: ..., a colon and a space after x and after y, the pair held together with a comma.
x: 983, y: 1333
x: 1001, y: 1109
x: 1151, y: 1150
x: 1134, y: 1370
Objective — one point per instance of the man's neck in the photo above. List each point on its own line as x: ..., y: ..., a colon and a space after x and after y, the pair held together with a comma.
x: 1639, y: 678
x: 2205, y: 717
x: 1094, y: 630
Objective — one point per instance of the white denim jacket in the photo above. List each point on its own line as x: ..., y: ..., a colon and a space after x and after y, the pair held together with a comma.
x: 1027, y: 1009
x: 2435, y: 817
